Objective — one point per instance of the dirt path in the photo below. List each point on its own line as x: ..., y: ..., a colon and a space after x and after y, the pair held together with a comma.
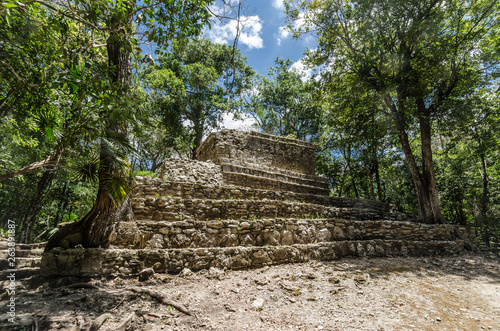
x: 452, y: 293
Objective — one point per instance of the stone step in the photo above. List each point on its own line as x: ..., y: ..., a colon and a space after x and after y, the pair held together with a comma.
x: 247, y: 180
x: 231, y: 233
x: 269, y: 171
x: 149, y: 187
x: 178, y: 209
x: 103, y: 262
x: 22, y: 253
x: 4, y: 245
x: 234, y: 166
x: 19, y: 274
x: 21, y: 263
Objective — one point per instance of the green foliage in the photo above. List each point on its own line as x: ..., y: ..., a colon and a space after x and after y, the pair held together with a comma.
x: 284, y: 104
x: 192, y: 86
x: 414, y: 62
x: 144, y: 173
x: 62, y: 89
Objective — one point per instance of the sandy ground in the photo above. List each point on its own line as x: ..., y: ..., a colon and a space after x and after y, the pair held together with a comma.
x: 440, y: 293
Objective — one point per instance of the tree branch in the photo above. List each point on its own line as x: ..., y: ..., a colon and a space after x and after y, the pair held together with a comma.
x: 53, y: 159
x: 17, y: 76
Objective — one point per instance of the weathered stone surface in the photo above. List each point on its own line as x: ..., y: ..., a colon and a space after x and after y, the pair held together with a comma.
x: 258, y: 204
x: 148, y: 192
x: 259, y: 148
x: 191, y: 171
x: 180, y: 234
x: 127, y: 235
x: 167, y: 209
x: 145, y: 274
x: 97, y: 261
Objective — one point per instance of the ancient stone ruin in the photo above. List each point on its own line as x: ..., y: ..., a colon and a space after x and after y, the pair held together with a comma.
x: 249, y: 200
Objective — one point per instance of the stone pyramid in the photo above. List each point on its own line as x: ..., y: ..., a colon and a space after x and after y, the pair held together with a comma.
x: 249, y: 200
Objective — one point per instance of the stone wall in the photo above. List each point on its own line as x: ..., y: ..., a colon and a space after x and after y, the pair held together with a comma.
x: 266, y: 183
x: 273, y: 173
x: 191, y: 171
x: 176, y: 209
x: 259, y: 148
x: 148, y: 187
x: 129, y: 262
x: 273, y: 232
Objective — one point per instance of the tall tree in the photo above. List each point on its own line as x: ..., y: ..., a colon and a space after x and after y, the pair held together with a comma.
x: 414, y: 55
x: 284, y: 104
x: 195, y: 84
x: 110, y: 24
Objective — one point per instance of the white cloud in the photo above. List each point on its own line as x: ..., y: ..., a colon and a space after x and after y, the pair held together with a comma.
x: 251, y: 30
x: 301, y: 68
x: 278, y: 4
x: 244, y: 124
x: 298, y: 24
x: 282, y: 34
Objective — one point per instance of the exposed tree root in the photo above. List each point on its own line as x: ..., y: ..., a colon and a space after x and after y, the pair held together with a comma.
x: 125, y: 294
x: 162, y: 299
x: 98, y: 322
x: 123, y: 324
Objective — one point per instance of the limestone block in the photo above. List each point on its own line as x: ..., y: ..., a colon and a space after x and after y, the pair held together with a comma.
x: 239, y: 261
x: 247, y: 240
x: 180, y: 240
x: 287, y: 238
x: 268, y: 237
x: 228, y: 239
x: 280, y: 254
x: 338, y: 233
x: 215, y: 224
x: 156, y: 241
x: 324, y: 235
x: 260, y: 258
x: 201, y: 239
x: 221, y: 261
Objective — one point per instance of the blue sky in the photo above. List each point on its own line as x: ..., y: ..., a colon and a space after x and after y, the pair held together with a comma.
x: 262, y: 40
x: 263, y: 37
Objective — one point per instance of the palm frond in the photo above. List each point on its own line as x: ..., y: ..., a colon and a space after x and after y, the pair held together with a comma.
x: 117, y: 187
x: 87, y: 171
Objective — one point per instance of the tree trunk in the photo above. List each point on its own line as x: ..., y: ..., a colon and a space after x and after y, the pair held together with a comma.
x: 35, y: 207
x: 432, y: 209
x: 347, y: 156
x: 485, y: 197
x: 369, y: 173
x: 424, y: 184
x: 377, y: 176
x: 95, y: 228
x: 198, y: 121
x: 62, y: 204
x: 99, y: 223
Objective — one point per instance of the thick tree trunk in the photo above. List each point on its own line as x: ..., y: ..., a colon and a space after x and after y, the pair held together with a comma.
x: 95, y: 228
x: 62, y: 204
x: 198, y: 121
x: 99, y: 223
x: 347, y: 156
x: 432, y: 210
x: 485, y: 198
x: 369, y: 173
x: 425, y: 183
